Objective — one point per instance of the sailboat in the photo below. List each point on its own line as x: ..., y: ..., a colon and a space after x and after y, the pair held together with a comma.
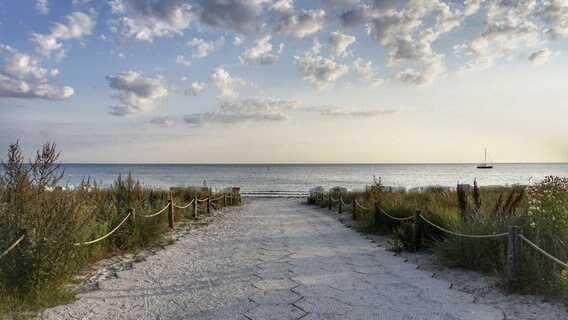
x: 484, y: 165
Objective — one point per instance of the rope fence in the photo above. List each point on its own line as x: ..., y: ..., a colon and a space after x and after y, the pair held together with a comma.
x: 183, y: 207
x: 515, y: 237
x: 157, y: 213
x: 13, y: 246
x: 106, y: 235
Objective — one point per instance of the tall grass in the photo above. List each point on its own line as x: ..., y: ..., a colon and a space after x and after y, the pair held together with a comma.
x: 34, y: 274
x: 541, y: 209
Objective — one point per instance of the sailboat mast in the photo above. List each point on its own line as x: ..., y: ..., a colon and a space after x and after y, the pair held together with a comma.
x: 485, y: 155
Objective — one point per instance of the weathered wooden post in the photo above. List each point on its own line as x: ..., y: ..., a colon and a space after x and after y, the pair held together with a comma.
x: 208, y: 205
x: 132, y: 215
x: 224, y: 200
x: 417, y: 229
x: 240, y: 200
x: 340, y: 209
x: 329, y: 202
x: 171, y: 213
x: 354, y: 208
x: 378, y: 217
x: 514, y: 259
x: 195, y: 207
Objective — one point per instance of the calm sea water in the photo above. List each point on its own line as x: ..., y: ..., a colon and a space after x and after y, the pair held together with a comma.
x: 297, y: 179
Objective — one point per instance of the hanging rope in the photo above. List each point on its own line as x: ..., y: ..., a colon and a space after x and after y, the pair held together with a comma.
x: 546, y: 254
x: 462, y: 234
x: 395, y: 218
x: 106, y: 235
x: 360, y: 206
x: 155, y: 214
x: 183, y: 207
x: 12, y: 246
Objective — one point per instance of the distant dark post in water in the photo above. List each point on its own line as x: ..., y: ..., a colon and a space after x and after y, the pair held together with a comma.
x: 329, y: 202
x: 208, y: 205
x: 514, y: 259
x: 339, y: 209
x: 417, y: 229
x: 195, y: 207
x: 171, y: 213
x: 378, y: 217
x: 354, y: 208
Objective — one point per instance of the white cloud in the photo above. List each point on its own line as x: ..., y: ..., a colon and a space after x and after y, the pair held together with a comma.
x: 181, y: 60
x: 144, y: 20
x: 164, y: 121
x: 78, y: 25
x: 195, y: 88
x: 540, y: 56
x: 366, y: 72
x: 320, y: 72
x: 333, y: 111
x: 555, y: 15
x: 42, y: 6
x: 202, y: 48
x: 227, y: 84
x: 21, y: 76
x: 339, y: 42
x: 433, y: 69
x: 316, y: 47
x: 249, y: 110
x: 261, y: 52
x: 500, y: 37
x: 136, y: 93
x: 300, y: 24
x: 238, y: 40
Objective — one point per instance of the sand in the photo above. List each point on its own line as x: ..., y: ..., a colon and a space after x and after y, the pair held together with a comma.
x: 282, y: 259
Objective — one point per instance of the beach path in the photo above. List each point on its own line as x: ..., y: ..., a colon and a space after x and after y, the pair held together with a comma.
x: 274, y: 259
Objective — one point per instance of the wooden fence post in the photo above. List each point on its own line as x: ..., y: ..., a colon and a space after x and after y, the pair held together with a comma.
x: 171, y: 213
x: 417, y: 229
x: 224, y: 200
x: 329, y: 202
x: 378, y: 217
x: 195, y: 207
x: 340, y: 209
x: 132, y: 215
x: 514, y: 259
x: 354, y: 210
x: 208, y: 205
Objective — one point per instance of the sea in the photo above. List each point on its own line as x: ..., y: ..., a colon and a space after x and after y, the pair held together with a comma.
x: 295, y: 180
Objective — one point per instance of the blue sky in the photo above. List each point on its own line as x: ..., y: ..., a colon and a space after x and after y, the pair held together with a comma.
x: 211, y: 81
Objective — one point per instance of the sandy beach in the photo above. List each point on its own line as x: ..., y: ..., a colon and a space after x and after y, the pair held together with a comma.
x: 282, y: 259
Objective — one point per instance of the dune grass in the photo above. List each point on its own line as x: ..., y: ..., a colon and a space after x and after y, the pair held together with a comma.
x: 35, y: 273
x: 540, y: 209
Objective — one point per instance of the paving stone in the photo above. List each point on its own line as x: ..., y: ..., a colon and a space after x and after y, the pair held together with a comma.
x: 275, y: 312
x: 275, y: 297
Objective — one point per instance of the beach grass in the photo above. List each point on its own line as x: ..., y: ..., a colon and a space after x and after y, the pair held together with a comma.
x: 541, y: 209
x: 35, y: 273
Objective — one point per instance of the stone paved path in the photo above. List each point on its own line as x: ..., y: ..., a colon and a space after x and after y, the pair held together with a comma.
x: 274, y: 259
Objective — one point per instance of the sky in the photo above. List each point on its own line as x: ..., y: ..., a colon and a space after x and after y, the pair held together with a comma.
x: 283, y: 81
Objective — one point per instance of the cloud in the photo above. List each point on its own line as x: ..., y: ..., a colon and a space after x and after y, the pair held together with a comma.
x: 136, y: 93
x: 366, y: 72
x: 433, y: 69
x: 202, y: 48
x: 555, y: 15
x: 239, y: 15
x: 21, y: 76
x: 238, y: 40
x: 261, y: 52
x: 78, y: 25
x: 227, y: 84
x: 181, y: 60
x: 333, y: 111
x: 249, y: 110
x: 299, y: 24
x: 339, y: 42
x: 144, y: 20
x: 320, y: 72
x: 196, y: 88
x: 540, y: 56
x: 42, y: 6
x: 164, y: 121
x: 505, y: 30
